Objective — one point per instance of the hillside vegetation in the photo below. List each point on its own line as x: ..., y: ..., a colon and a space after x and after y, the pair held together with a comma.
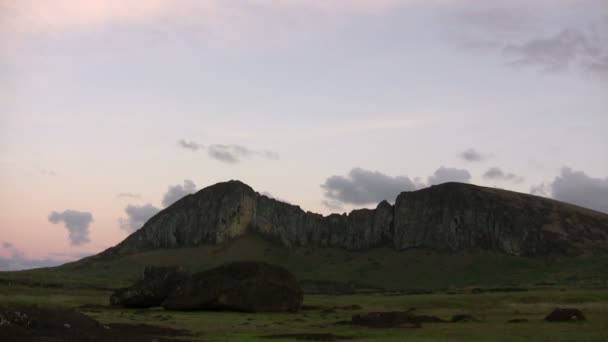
x: 374, y: 269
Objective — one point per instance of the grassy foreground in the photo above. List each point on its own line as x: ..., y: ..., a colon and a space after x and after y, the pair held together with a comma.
x: 492, y: 310
x: 551, y: 282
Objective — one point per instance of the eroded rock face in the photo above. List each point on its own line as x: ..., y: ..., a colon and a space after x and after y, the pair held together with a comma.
x: 239, y: 286
x: 450, y: 217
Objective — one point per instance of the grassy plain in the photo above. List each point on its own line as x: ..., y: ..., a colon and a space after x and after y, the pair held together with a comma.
x: 551, y: 282
x: 492, y: 310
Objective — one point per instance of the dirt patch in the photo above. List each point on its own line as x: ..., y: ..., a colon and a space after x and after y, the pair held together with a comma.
x: 565, y: 315
x: 310, y: 337
x: 20, y: 324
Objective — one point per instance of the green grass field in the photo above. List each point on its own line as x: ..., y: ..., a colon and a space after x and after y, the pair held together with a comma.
x: 492, y: 310
x: 569, y: 282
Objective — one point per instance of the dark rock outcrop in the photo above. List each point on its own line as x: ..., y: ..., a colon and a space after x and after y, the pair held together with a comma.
x: 565, y: 315
x: 449, y: 217
x: 518, y: 320
x: 239, y: 286
x: 151, y: 290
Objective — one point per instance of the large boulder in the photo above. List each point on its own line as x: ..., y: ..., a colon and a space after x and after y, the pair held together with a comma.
x: 565, y: 315
x: 239, y: 286
x: 151, y: 290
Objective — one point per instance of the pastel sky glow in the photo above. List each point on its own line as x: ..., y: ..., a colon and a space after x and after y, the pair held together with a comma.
x: 112, y: 110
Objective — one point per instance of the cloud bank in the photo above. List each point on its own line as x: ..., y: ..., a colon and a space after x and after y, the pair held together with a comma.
x: 190, y: 145
x: 495, y: 173
x: 76, y: 222
x: 472, y: 155
x: 176, y: 192
x: 448, y: 174
x: 559, y: 52
x: 128, y: 195
x: 361, y: 187
x: 578, y: 188
x: 138, y: 215
x: 229, y: 154
x: 18, y: 261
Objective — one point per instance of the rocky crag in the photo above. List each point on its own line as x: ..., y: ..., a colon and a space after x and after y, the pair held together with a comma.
x: 447, y: 217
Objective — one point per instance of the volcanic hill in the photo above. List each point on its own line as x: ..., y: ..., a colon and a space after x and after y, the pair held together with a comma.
x: 446, y: 217
x: 444, y: 236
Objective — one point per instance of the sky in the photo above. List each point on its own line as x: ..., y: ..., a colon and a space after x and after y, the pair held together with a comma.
x: 112, y: 110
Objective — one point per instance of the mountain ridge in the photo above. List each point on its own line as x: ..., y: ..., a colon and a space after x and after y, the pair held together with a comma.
x: 449, y: 216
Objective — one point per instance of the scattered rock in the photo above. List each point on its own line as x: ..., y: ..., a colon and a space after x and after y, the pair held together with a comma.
x: 310, y: 337
x: 398, y: 318
x: 565, y: 315
x: 417, y: 292
x: 463, y: 318
x: 387, y: 319
x: 478, y: 290
x: 330, y: 309
x: 546, y: 283
x: 239, y: 286
x: 517, y: 320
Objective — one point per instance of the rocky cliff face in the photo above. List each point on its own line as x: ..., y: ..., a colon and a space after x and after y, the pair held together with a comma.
x: 451, y: 216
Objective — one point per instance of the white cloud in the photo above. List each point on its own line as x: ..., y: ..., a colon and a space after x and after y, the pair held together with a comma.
x: 578, y: 188
x: 76, y: 222
x: 176, y: 192
x: 448, y: 174
x: 137, y: 216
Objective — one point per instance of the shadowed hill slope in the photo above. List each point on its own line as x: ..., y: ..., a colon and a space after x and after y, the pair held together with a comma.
x: 446, y: 217
x: 380, y: 268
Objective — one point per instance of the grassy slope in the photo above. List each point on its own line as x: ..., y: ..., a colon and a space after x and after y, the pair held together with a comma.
x: 380, y: 268
x: 492, y: 310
